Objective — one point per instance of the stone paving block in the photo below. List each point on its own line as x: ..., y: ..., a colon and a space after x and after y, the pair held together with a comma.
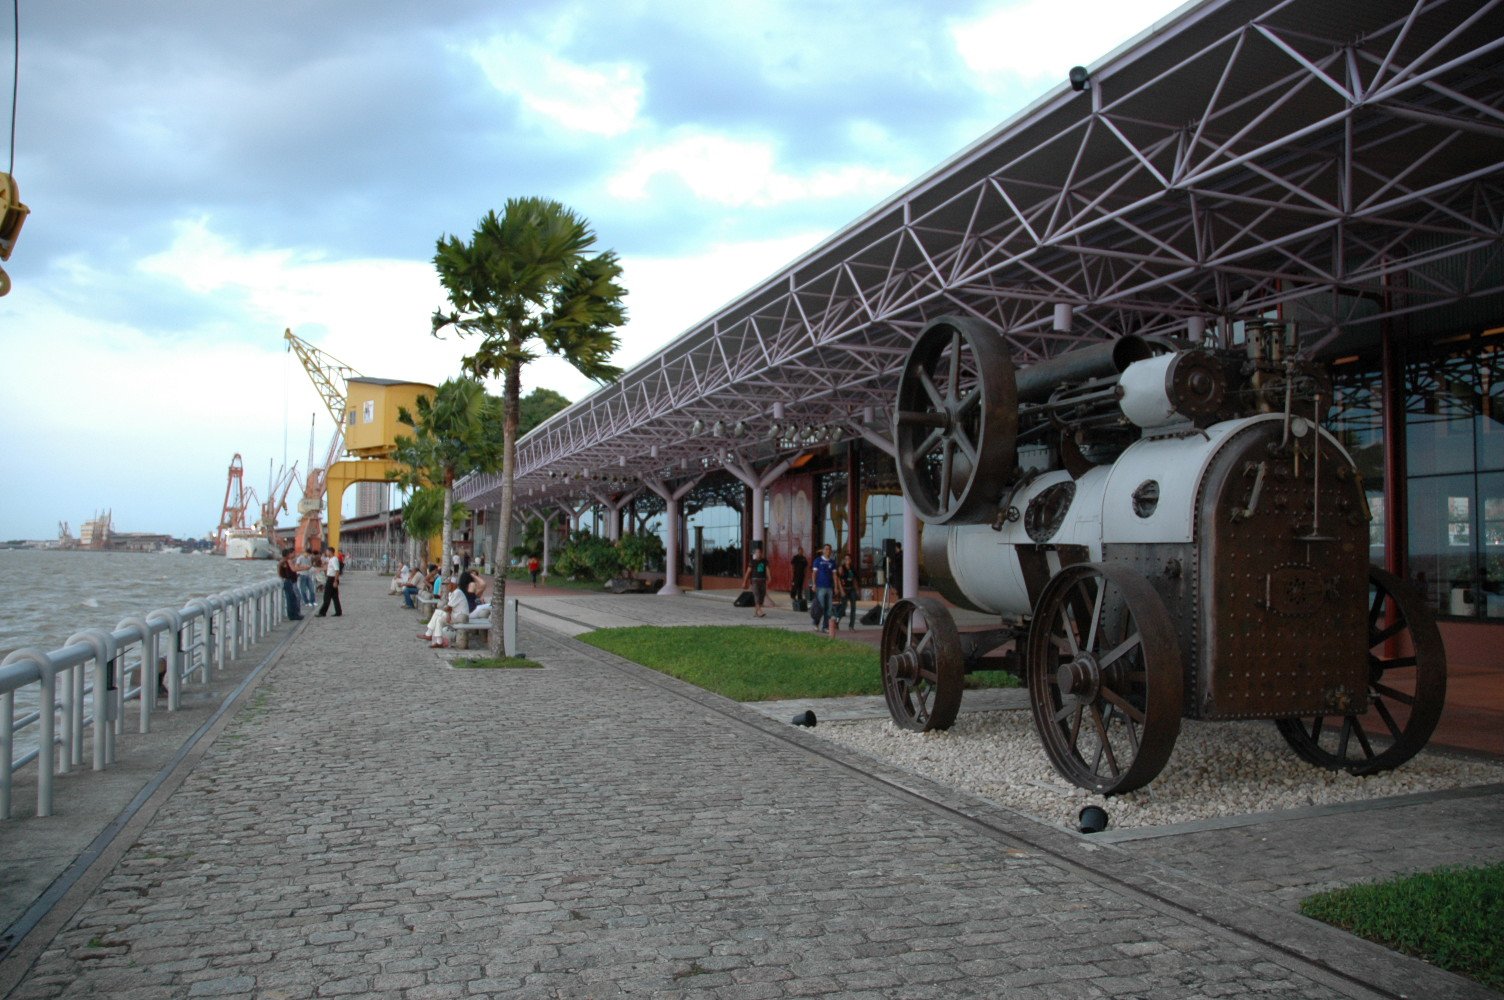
x: 384, y: 825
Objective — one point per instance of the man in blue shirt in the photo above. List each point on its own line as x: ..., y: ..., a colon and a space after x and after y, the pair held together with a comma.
x: 825, y: 581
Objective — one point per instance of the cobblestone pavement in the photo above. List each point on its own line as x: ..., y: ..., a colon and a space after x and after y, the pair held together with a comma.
x: 374, y: 823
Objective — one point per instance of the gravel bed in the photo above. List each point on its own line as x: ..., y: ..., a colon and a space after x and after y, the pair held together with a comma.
x: 1217, y: 769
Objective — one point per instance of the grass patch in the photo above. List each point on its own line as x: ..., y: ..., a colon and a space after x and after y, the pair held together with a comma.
x: 1450, y: 917
x: 757, y: 664
x: 496, y: 663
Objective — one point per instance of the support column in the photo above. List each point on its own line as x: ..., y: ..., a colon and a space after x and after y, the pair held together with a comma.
x: 614, y: 505
x: 758, y: 483
x: 548, y: 531
x: 671, y: 496
x: 910, y: 552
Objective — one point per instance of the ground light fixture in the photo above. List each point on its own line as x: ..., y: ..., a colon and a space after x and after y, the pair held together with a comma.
x: 1092, y: 819
x: 1079, y: 78
x: 806, y: 719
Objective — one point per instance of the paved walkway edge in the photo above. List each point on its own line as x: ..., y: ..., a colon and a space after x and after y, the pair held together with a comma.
x: 29, y: 935
x: 1341, y: 961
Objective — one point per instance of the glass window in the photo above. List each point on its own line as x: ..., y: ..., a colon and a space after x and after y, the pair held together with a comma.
x: 1441, y: 541
x: 882, y: 520
x: 833, y: 519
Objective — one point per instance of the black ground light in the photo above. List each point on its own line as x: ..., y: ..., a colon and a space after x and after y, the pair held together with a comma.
x: 805, y: 719
x: 1093, y: 819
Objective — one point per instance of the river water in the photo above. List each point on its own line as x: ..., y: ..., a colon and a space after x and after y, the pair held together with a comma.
x: 54, y: 594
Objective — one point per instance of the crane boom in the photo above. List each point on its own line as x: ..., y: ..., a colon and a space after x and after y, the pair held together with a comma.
x: 329, y: 376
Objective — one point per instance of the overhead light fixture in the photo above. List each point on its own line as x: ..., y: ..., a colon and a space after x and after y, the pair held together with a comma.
x: 868, y: 415
x: 1063, y: 315
x: 778, y: 410
x: 717, y: 430
x: 652, y: 451
x: 697, y: 427
x: 1195, y: 329
x: 621, y: 460
x: 1079, y: 78
x: 739, y: 429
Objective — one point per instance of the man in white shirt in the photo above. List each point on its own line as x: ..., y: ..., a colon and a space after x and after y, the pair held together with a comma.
x: 452, y: 610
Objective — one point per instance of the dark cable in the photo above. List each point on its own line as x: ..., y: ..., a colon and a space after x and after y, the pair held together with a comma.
x: 15, y: 80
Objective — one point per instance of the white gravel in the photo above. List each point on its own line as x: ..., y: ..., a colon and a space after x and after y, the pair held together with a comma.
x: 1217, y: 769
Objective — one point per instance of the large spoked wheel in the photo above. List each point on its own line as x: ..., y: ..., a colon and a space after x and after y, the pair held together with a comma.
x: 924, y: 669
x: 1407, y: 686
x: 957, y: 421
x: 1105, y: 677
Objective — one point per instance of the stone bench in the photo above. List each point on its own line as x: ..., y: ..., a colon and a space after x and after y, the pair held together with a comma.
x: 464, y: 630
x: 425, y: 604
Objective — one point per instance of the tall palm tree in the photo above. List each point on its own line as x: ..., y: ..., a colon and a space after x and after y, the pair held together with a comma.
x: 526, y: 281
x: 458, y: 431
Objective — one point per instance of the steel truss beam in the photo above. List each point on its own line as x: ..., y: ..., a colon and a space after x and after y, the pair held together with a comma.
x: 1312, y: 157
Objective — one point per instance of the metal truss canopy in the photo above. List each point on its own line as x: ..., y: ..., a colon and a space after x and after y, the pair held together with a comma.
x: 1337, y: 161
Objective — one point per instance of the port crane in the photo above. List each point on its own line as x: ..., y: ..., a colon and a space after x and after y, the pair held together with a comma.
x: 277, y: 503
x: 238, y: 498
x: 330, y: 377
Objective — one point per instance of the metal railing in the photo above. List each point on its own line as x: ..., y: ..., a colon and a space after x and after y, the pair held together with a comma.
x: 143, y: 658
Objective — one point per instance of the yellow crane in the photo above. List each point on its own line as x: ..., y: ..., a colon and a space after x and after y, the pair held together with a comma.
x: 365, y: 426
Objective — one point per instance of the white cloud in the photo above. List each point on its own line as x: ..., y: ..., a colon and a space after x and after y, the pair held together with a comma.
x: 599, y: 99
x: 1041, y: 39
x: 741, y: 172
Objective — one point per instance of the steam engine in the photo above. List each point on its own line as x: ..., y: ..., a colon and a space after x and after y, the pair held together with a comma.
x: 1164, y: 531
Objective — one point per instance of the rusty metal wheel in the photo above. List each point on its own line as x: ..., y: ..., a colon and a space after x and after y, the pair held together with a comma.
x: 924, y: 669
x: 956, y: 423
x: 1407, y: 686
x: 1105, y: 677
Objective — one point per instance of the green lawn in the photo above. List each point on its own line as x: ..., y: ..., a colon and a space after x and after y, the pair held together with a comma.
x: 757, y: 664
x: 1451, y: 917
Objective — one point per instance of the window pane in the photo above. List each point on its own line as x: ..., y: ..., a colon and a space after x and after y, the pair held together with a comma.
x: 1441, y: 550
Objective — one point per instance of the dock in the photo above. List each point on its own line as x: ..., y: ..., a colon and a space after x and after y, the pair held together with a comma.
x: 354, y: 817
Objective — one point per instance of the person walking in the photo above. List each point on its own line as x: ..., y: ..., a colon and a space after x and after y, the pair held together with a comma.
x: 303, y: 563
x: 825, y: 582
x: 289, y: 577
x: 333, y: 570
x: 757, y: 577
x: 846, y: 589
x: 533, y: 568
x: 798, y: 566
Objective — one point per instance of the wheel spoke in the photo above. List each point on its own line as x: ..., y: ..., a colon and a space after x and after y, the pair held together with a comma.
x: 1394, y: 728
x: 960, y: 440
x: 1384, y: 635
x: 969, y: 402
x: 955, y: 366
x: 1121, y: 649
x: 1362, y: 736
x: 1106, y: 747
x: 1394, y: 694
x: 928, y: 444
x: 1064, y: 710
x: 1122, y: 705
x: 936, y: 398
x: 1347, y: 732
x: 947, y: 453
x: 1096, y: 615
x: 1317, y: 725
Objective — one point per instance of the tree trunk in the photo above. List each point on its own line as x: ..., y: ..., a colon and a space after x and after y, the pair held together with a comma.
x: 444, y: 564
x: 511, y: 415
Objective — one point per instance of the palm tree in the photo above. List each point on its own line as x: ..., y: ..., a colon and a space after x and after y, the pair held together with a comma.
x: 456, y: 432
x: 526, y: 282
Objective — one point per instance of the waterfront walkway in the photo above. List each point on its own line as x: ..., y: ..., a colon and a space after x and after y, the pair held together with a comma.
x: 371, y: 822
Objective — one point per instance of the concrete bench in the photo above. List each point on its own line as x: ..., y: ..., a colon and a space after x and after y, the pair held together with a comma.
x: 464, y: 630
x: 426, y: 604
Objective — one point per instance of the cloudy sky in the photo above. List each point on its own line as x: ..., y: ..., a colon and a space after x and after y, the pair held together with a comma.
x: 204, y: 174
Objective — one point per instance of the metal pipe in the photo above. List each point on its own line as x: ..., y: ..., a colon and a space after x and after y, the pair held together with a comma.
x: 1038, y: 381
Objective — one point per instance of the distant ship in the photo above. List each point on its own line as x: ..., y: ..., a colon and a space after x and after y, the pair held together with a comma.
x: 248, y: 543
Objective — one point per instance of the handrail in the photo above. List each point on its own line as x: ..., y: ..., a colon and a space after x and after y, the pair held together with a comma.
x: 202, y: 640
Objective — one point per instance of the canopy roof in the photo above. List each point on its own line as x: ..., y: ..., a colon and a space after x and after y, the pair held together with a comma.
x: 1338, y: 161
